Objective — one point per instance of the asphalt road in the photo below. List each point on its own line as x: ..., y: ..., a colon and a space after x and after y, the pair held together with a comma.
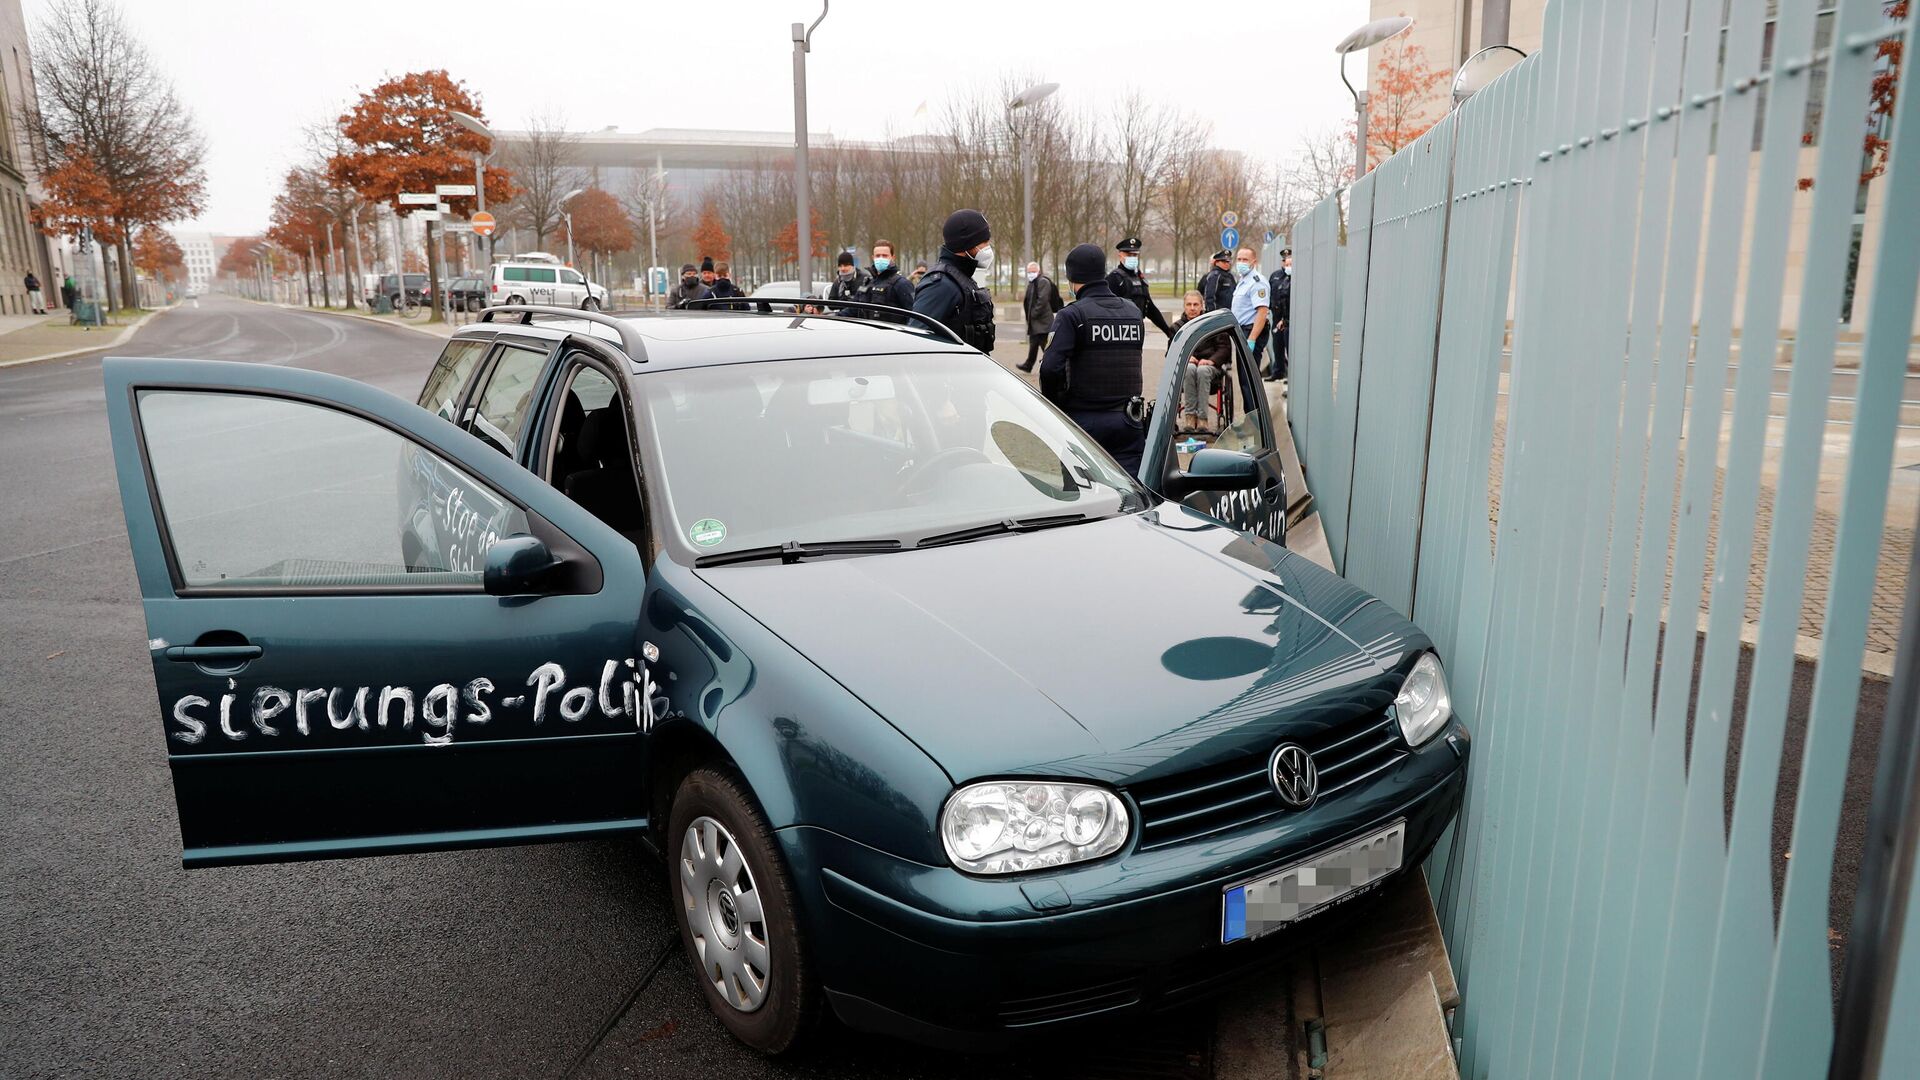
x: 540, y: 961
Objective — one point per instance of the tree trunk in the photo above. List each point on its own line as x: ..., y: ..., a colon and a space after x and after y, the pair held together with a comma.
x: 326, y: 282
x: 124, y: 256
x: 306, y: 276
x: 350, y: 273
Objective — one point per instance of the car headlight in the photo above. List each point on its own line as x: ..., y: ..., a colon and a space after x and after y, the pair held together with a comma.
x: 1423, y: 705
x: 1006, y: 826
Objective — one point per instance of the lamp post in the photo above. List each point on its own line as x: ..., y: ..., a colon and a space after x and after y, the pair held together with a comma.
x: 565, y: 209
x: 1360, y: 41
x: 483, y: 245
x: 1027, y: 98
x: 803, y: 217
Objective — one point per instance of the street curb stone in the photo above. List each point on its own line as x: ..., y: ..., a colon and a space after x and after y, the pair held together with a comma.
x: 118, y: 339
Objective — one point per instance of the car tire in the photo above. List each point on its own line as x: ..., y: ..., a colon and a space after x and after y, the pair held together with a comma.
x: 516, y: 300
x: 589, y: 304
x: 753, y: 973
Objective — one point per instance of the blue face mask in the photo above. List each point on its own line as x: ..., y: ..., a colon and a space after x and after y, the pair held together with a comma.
x: 880, y: 263
x: 1133, y: 262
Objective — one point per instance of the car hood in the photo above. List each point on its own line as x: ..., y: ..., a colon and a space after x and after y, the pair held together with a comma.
x: 1121, y: 648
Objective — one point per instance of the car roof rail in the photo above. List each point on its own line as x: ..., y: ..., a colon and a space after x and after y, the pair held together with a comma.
x: 630, y: 340
x: 763, y: 305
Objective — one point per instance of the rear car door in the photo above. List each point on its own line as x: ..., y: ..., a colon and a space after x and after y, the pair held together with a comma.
x: 1243, y: 423
x: 323, y: 693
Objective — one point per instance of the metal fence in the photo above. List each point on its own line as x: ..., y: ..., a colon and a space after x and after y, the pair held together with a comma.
x: 1540, y: 394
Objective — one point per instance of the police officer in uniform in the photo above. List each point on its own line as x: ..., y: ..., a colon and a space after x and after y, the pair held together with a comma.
x: 1216, y: 285
x: 947, y: 292
x: 1127, y: 282
x: 1091, y: 368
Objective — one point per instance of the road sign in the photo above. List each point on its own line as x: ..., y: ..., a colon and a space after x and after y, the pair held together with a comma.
x: 418, y: 198
x: 1229, y: 219
x: 1230, y: 238
x: 483, y: 223
x: 452, y: 190
x: 426, y: 215
x: 457, y: 226
x: 1270, y: 235
x: 443, y: 208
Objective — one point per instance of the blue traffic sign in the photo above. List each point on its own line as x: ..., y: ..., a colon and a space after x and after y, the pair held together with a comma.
x: 1230, y: 238
x: 1270, y: 236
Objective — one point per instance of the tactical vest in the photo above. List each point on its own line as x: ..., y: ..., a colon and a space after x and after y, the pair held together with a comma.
x: 973, y: 317
x: 1108, y: 338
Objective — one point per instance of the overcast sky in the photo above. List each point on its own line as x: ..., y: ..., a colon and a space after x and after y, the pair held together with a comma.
x: 255, y: 72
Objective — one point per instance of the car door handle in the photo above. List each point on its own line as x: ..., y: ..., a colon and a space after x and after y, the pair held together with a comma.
x: 212, y: 654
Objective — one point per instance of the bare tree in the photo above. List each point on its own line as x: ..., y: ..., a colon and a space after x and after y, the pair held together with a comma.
x: 1146, y: 140
x: 545, y: 165
x: 102, y: 102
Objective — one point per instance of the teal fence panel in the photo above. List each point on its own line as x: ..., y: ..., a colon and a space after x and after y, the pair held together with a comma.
x: 1541, y: 399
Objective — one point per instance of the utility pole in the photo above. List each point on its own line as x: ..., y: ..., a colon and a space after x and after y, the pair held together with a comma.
x: 803, y: 219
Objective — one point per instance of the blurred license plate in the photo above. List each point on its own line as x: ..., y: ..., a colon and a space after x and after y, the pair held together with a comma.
x: 1257, y: 907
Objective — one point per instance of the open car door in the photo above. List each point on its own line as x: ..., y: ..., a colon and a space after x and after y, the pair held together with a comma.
x: 370, y: 632
x: 1235, y: 415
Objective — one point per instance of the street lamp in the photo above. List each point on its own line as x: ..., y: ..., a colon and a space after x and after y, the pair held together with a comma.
x: 263, y: 262
x: 473, y: 124
x: 564, y: 209
x: 803, y: 219
x: 1360, y: 41
x: 1027, y: 98
x: 1482, y: 68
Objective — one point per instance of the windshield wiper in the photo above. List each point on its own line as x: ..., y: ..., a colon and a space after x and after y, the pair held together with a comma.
x: 996, y: 528
x: 793, y: 551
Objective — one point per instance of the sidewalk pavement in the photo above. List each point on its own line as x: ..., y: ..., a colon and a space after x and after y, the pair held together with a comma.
x: 26, y: 339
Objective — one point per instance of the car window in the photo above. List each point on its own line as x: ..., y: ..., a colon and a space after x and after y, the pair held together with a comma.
x: 1243, y: 433
x: 540, y: 275
x: 263, y: 492
x: 441, y: 395
x: 415, y: 281
x: 572, y: 277
x: 503, y: 405
x: 513, y: 273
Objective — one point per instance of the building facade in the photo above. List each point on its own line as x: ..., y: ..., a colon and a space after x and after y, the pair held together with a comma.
x: 197, y: 252
x: 23, y: 249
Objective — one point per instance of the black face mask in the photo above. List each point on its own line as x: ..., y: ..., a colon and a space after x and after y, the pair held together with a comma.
x: 689, y: 282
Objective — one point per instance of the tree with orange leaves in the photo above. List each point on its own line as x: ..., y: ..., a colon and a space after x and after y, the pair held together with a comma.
x: 710, y: 239
x: 787, y: 242
x: 300, y: 222
x: 600, y: 225
x: 1400, y: 99
x: 404, y: 139
x: 158, y: 253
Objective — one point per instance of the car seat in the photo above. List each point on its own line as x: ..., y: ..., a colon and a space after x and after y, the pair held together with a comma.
x: 605, y: 485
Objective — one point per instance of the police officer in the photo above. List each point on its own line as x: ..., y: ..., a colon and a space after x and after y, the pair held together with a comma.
x: 1216, y: 286
x: 947, y: 292
x: 887, y: 285
x: 1280, y: 285
x: 1129, y: 283
x: 1091, y: 369
x: 848, y: 280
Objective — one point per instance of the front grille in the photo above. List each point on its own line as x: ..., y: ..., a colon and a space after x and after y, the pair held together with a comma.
x: 1236, y: 793
x: 1067, y: 1004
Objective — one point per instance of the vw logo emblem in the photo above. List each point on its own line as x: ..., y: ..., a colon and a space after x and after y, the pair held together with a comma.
x: 1294, y: 777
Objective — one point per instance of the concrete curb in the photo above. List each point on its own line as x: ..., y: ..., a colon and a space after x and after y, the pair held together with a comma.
x: 421, y: 328
x: 125, y: 333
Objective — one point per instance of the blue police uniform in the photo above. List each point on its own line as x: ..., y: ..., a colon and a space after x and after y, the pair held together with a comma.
x: 1091, y: 369
x: 1249, y: 296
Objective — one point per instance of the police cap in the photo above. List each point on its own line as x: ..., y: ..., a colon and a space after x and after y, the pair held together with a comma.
x: 1130, y: 245
x: 1086, y: 263
x: 1223, y: 255
x: 1284, y: 252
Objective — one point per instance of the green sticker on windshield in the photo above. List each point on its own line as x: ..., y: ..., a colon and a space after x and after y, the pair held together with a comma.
x: 707, y: 532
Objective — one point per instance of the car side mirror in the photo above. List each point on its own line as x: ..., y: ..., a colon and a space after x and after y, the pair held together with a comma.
x: 1215, y: 470
x: 518, y: 566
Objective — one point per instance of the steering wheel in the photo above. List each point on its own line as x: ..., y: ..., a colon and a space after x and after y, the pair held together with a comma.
x: 950, y: 458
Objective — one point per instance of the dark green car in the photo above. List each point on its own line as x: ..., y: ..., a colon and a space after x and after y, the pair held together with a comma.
x: 939, y: 719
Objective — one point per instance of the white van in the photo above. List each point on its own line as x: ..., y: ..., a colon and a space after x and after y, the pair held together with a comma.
x: 539, y: 278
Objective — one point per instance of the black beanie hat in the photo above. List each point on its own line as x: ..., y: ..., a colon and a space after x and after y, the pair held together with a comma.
x: 965, y: 229
x: 686, y: 268
x: 845, y: 259
x: 706, y: 263
x: 1086, y: 263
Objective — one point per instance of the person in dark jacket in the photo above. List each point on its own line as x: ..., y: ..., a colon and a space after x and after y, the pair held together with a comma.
x: 689, y: 288
x: 1128, y: 282
x: 723, y: 285
x: 948, y: 292
x: 848, y: 279
x: 707, y: 275
x: 1282, y: 288
x: 1042, y: 300
x: 1091, y: 369
x: 1206, y: 367
x: 886, y: 285
x: 68, y: 292
x: 1216, y: 285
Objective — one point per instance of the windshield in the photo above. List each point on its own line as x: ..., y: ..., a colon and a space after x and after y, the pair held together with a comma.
x: 856, y: 448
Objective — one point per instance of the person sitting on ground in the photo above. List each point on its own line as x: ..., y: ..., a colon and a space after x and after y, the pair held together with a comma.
x: 1205, y: 368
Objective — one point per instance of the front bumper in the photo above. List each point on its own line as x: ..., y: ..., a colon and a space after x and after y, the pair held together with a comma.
x: 939, y: 957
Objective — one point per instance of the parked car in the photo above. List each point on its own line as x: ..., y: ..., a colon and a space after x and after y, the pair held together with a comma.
x: 416, y: 290
x: 941, y: 721
x: 538, y: 278
x: 468, y: 293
